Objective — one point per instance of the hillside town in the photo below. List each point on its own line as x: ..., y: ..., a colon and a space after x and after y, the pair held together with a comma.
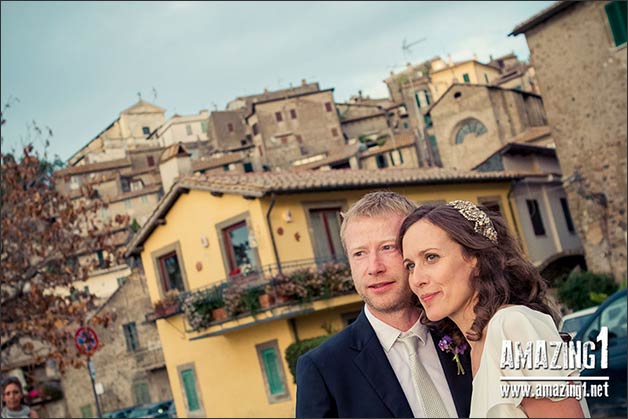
x: 233, y: 254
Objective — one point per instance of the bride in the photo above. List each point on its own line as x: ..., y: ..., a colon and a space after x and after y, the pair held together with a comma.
x: 475, y: 284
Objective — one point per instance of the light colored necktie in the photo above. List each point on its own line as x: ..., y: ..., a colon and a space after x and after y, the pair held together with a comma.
x: 423, y: 384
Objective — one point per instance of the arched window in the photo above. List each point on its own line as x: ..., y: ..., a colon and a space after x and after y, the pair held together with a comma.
x: 469, y: 126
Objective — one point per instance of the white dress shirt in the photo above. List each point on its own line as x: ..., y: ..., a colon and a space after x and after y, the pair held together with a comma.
x: 400, y: 362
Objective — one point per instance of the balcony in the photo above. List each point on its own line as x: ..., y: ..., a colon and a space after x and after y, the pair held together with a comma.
x: 267, y: 294
x: 149, y: 359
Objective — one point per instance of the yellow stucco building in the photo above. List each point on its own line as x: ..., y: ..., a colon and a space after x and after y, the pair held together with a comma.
x: 241, y: 228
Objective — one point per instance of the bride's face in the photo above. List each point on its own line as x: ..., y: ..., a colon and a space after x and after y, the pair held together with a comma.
x: 440, y: 272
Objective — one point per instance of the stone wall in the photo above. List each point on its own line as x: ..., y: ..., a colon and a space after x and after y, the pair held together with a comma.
x: 117, y: 368
x: 583, y: 77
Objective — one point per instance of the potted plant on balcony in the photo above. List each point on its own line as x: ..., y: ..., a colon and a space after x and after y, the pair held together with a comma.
x: 168, y: 305
x: 337, y: 277
x: 286, y: 288
x: 241, y: 298
x: 203, y: 307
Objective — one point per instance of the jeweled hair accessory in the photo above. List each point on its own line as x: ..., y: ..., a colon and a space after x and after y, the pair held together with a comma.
x: 483, y: 224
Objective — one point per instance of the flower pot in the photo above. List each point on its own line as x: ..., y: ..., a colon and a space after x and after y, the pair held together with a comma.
x: 266, y: 300
x: 282, y: 299
x: 219, y: 314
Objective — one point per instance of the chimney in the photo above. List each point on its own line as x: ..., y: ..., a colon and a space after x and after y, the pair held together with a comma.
x: 303, y: 82
x: 449, y: 60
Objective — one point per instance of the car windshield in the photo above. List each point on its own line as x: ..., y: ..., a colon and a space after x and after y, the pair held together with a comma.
x: 140, y: 413
x: 574, y: 324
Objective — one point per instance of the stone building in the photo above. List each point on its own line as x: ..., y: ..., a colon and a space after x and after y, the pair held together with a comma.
x: 290, y: 128
x: 579, y: 52
x: 129, y: 364
x: 540, y: 202
x: 131, y: 129
x: 182, y: 128
x: 471, y: 121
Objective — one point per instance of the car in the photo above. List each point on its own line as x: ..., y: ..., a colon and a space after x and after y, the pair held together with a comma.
x: 172, y: 412
x: 120, y: 413
x: 155, y: 410
x: 612, y: 314
x: 571, y: 323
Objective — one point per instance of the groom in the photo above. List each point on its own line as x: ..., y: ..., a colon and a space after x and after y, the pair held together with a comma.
x: 378, y: 365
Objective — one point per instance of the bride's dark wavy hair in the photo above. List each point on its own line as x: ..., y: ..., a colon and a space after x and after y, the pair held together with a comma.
x: 504, y: 274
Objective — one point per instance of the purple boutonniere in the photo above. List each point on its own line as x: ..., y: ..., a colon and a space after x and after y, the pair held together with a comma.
x: 446, y: 344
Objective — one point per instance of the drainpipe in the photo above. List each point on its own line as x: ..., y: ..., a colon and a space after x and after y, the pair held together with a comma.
x: 272, y: 236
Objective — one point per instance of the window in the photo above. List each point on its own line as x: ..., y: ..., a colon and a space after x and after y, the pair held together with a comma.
x: 248, y: 167
x: 567, y: 214
x: 150, y: 160
x: 127, y: 203
x: 170, y: 272
x: 491, y: 204
x: 241, y: 258
x: 325, y: 226
x: 130, y: 335
x: 144, y: 199
x: 470, y: 126
x: 334, y: 132
x: 396, y: 157
x: 272, y: 371
x: 278, y: 116
x: 255, y: 129
x: 188, y: 129
x: 299, y: 139
x: 616, y: 13
x: 535, y: 217
x: 381, y: 161
x: 121, y: 280
x: 140, y: 391
x: 204, y: 126
x: 328, y: 106
x: 101, y: 259
x: 427, y: 97
x: 137, y: 185
x: 86, y: 290
x: 433, y: 150
x: 418, y: 101
x: 189, y: 386
x: 230, y: 127
x: 146, y: 131
x: 125, y: 184
x: 87, y: 411
x: 486, y: 78
x: 427, y: 119
x: 465, y: 77
x: 293, y: 113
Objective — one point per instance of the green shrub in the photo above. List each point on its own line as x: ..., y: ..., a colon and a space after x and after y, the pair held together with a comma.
x: 296, y: 349
x: 584, y: 289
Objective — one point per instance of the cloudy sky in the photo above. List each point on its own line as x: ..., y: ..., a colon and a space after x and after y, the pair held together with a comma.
x: 73, y: 66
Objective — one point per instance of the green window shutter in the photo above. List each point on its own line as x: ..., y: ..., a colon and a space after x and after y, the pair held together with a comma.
x: 616, y: 13
x: 427, y: 97
x: 140, y: 390
x: 272, y: 371
x: 486, y: 78
x: 86, y: 411
x: 416, y: 97
x: 189, y: 384
x: 465, y: 77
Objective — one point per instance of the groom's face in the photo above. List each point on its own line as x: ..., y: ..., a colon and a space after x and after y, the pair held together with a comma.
x: 376, y: 263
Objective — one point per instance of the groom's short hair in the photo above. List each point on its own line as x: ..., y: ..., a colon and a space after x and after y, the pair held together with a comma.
x: 374, y: 204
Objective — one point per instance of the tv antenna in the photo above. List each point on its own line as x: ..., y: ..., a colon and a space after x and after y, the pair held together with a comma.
x: 406, y: 47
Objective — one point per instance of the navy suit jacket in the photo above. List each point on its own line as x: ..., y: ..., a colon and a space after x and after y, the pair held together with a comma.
x: 349, y: 376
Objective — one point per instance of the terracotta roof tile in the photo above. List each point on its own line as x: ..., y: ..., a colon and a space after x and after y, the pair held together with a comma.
x: 403, y: 139
x: 198, y: 165
x: 94, y: 167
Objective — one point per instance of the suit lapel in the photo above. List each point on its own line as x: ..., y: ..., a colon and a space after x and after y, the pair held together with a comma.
x: 372, y: 362
x: 459, y: 385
